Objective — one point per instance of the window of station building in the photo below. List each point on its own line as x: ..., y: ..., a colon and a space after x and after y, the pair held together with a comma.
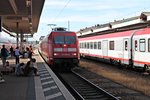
x: 91, y: 45
x: 95, y: 45
x: 126, y: 45
x: 142, y: 45
x: 111, y: 45
x: 135, y: 45
x: 99, y: 45
x: 149, y: 45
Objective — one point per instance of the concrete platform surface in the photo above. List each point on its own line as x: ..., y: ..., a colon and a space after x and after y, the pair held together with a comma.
x: 46, y: 86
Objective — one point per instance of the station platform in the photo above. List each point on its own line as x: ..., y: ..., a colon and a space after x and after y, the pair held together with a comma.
x: 46, y: 86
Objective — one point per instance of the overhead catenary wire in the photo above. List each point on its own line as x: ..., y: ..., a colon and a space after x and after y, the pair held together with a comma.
x: 61, y: 11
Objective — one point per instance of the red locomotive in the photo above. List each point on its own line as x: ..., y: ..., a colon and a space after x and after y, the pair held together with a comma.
x: 60, y: 48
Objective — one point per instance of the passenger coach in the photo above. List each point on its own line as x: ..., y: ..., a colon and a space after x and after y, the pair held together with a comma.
x: 131, y: 47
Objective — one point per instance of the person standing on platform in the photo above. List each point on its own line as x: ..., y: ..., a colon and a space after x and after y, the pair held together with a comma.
x: 4, y: 55
x: 11, y: 51
x: 23, y: 52
x: 30, y: 52
x: 17, y: 54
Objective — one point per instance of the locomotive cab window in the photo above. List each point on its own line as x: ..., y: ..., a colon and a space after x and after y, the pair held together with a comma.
x: 111, y: 45
x: 64, y: 39
x: 59, y: 39
x: 70, y: 39
x: 142, y: 45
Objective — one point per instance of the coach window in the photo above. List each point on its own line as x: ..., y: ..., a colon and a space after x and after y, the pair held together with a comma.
x: 136, y: 44
x: 95, y: 45
x: 142, y: 45
x: 88, y: 45
x: 149, y: 45
x: 99, y: 45
x: 80, y: 45
x: 111, y: 45
x: 91, y: 45
x: 84, y: 45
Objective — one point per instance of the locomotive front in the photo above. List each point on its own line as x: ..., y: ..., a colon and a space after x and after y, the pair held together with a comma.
x: 65, y: 48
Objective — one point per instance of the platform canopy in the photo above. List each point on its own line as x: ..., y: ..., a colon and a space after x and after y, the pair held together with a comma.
x: 21, y: 16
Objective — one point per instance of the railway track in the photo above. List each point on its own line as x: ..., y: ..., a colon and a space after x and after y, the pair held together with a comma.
x: 85, y: 89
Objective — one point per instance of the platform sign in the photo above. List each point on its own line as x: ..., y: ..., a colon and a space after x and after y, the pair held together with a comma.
x: 0, y: 24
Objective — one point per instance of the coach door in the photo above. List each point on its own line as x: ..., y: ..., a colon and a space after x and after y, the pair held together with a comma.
x: 125, y: 50
x: 105, y: 48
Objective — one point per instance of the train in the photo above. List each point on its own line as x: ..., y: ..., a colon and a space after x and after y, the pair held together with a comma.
x: 60, y: 48
x: 130, y: 48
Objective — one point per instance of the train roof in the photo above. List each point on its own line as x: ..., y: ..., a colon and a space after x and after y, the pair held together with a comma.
x: 137, y: 22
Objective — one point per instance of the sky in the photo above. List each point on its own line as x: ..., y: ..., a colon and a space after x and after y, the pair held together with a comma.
x: 78, y: 14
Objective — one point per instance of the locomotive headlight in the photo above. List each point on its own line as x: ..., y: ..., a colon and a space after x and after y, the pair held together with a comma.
x: 55, y: 54
x: 74, y: 54
x: 64, y: 45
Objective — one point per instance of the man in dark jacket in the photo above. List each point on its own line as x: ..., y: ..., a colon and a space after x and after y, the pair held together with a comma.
x: 4, y: 54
